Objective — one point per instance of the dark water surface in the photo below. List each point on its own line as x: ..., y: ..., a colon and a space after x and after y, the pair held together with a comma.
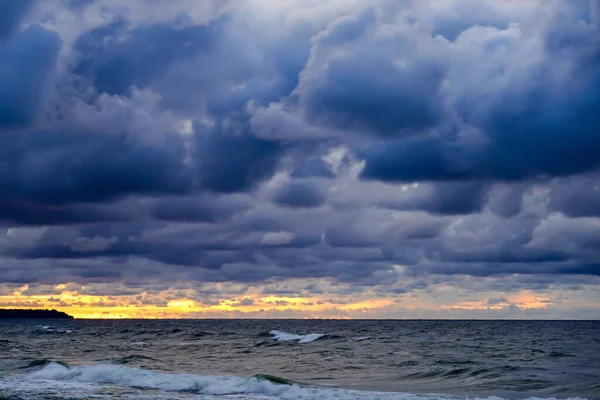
x: 207, y: 359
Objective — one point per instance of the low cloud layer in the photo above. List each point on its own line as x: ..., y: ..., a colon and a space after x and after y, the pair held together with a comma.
x: 398, y: 146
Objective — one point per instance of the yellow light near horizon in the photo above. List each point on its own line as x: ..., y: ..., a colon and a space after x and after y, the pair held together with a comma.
x: 252, y: 304
x: 181, y: 304
x: 119, y: 307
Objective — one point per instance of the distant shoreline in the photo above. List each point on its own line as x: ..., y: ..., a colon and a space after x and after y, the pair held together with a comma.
x: 33, y: 314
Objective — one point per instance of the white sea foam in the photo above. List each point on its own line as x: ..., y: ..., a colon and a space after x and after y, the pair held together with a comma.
x: 50, y: 329
x: 80, y: 382
x: 145, y: 379
x: 291, y: 337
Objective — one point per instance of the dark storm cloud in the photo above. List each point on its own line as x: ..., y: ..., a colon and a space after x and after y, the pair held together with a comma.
x: 193, y: 66
x: 85, y: 168
x: 114, y: 57
x: 198, y: 209
x: 231, y: 159
x: 380, y: 96
x: 507, y: 200
x: 313, y: 168
x: 27, y: 61
x: 406, y: 105
x: 299, y: 194
x: 160, y: 149
x: 19, y: 212
x: 445, y: 199
x: 577, y: 196
x: 535, y: 122
x: 12, y: 12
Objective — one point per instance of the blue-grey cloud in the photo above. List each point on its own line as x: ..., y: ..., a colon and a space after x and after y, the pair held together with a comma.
x: 198, y: 209
x: 533, y: 123
x: 445, y: 199
x: 28, y: 60
x: 299, y: 194
x: 12, y: 13
x: 114, y: 57
x: 86, y: 168
x: 576, y: 196
x: 313, y: 168
x: 347, y: 143
x: 233, y: 159
x: 383, y: 97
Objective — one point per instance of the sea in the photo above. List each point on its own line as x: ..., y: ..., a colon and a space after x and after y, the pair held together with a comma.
x: 298, y: 359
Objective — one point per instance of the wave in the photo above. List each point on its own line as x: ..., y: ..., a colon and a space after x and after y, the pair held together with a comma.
x: 42, y: 363
x: 281, y: 336
x: 134, y: 358
x: 460, y: 371
x: 146, y: 379
x: 274, y: 379
x: 202, y: 334
x: 256, y: 387
x: 50, y: 329
x: 560, y: 354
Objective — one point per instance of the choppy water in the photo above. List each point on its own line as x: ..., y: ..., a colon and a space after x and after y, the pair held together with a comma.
x: 296, y: 360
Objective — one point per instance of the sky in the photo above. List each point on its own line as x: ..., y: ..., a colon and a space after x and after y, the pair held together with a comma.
x: 301, y: 158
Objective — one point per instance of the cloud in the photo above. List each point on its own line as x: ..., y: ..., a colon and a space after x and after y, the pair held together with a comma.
x: 277, y: 238
x: 13, y: 12
x: 313, y: 168
x: 85, y: 245
x: 387, y: 96
x: 496, y: 300
x: 382, y: 147
x: 525, y: 111
x: 213, y: 209
x: 114, y: 57
x: 444, y: 199
x: 231, y: 159
x: 299, y: 194
x: 86, y: 168
x: 576, y: 196
x: 28, y: 61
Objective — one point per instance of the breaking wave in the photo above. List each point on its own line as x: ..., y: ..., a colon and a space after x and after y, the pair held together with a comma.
x: 50, y: 329
x: 146, y: 379
x: 256, y: 387
x: 281, y: 336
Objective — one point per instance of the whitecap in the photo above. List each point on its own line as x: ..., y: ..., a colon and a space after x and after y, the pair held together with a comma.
x: 56, y: 377
x: 281, y: 336
x: 146, y: 379
x: 50, y: 329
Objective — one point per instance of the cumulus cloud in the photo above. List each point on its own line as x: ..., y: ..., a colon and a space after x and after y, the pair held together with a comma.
x: 251, y: 141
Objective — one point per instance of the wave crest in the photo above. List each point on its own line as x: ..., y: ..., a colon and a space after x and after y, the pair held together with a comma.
x: 281, y: 336
x: 50, y: 329
x: 146, y: 379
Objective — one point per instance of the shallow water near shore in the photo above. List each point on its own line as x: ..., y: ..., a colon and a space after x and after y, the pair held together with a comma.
x: 291, y: 359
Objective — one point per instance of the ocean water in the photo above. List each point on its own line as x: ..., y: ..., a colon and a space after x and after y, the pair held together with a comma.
x: 298, y: 360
